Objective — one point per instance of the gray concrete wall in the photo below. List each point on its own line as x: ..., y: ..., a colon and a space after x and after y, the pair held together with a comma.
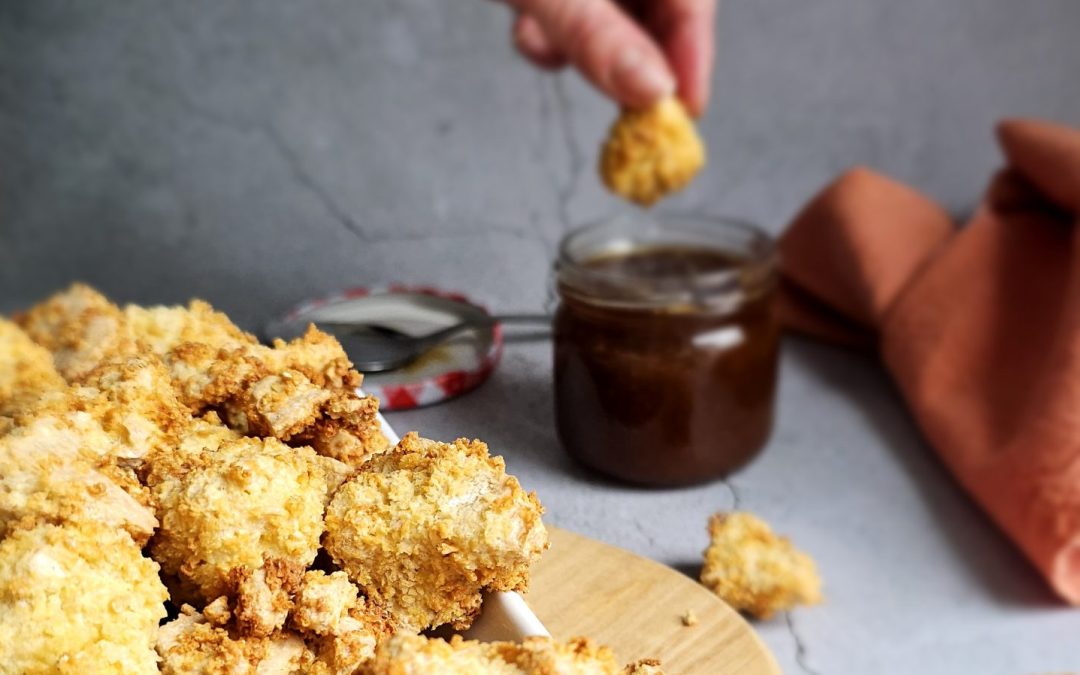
x: 256, y: 153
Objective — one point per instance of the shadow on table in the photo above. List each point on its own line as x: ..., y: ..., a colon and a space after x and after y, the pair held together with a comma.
x: 690, y: 569
x: 983, y: 549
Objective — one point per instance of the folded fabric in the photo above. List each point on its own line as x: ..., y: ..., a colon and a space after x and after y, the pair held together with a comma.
x: 980, y: 326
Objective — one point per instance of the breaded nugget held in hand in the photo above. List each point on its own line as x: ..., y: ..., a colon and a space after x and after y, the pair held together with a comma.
x: 425, y: 527
x: 651, y: 152
x: 247, y: 501
x: 80, y: 595
x: 756, y: 571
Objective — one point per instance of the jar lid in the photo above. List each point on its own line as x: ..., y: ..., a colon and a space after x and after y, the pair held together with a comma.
x: 446, y: 371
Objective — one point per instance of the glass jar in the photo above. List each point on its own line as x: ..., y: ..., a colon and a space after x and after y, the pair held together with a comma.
x: 666, y: 344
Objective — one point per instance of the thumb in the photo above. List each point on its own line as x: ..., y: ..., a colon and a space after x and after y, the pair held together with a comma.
x: 606, y: 45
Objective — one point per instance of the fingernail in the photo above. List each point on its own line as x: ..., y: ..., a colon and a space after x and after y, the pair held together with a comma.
x: 639, y: 79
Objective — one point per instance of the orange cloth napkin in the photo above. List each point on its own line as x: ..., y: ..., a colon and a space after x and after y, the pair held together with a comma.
x: 979, y: 326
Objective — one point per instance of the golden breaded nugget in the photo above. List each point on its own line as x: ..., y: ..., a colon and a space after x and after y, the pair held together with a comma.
x: 81, y: 595
x: 246, y: 501
x: 427, y: 526
x: 756, y: 571
x: 651, y: 152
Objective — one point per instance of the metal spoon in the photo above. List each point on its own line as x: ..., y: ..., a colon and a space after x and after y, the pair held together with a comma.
x: 376, y: 348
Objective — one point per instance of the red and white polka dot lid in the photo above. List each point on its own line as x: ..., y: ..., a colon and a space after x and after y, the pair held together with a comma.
x: 448, y: 370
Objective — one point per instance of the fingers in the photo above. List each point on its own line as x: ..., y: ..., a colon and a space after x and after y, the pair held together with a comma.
x: 609, y: 48
x: 530, y: 40
x: 685, y: 30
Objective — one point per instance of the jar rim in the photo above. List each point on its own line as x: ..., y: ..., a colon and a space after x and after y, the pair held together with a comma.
x: 754, y: 249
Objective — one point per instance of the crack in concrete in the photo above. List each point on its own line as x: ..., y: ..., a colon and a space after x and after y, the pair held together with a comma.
x: 801, y: 656
x: 565, y: 192
x: 736, y: 498
x: 304, y: 178
x: 648, y: 536
x: 541, y: 154
x: 270, y: 135
x: 544, y: 109
x: 485, y: 231
x: 295, y: 165
x: 186, y: 103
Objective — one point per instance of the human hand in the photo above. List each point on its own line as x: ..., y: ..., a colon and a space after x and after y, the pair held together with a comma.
x: 635, y: 51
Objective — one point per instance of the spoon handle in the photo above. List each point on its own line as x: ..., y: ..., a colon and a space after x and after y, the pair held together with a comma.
x: 522, y: 318
x: 354, y: 327
x: 448, y: 332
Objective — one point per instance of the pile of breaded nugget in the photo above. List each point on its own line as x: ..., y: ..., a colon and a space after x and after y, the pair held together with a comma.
x: 157, y: 458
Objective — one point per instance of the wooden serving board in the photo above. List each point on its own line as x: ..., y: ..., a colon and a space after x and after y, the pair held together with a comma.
x: 635, y: 606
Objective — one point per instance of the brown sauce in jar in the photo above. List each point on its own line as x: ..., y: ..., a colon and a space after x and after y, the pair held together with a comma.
x: 665, y: 394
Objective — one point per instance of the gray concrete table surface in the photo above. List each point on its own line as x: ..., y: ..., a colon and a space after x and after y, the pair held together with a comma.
x: 259, y: 153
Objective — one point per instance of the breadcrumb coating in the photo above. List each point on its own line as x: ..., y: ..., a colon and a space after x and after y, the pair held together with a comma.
x: 319, y: 356
x: 323, y: 602
x: 26, y: 370
x: 348, y: 430
x: 50, y: 473
x: 191, y: 645
x: 302, y: 391
x: 263, y: 596
x: 133, y: 401
x: 61, y: 449
x: 756, y: 571
x: 205, y: 434
x: 578, y: 656
x: 162, y: 328
x: 424, y: 528
x: 354, y: 642
x: 406, y: 654
x: 81, y: 328
x: 419, y: 655
x: 644, y: 667
x: 248, y: 500
x: 123, y: 410
x: 341, y: 627
x: 651, y: 152
x: 281, y: 406
x: 77, y: 599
